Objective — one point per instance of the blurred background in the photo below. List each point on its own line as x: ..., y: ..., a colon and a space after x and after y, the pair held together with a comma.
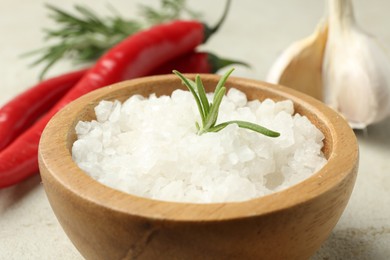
x: 254, y: 32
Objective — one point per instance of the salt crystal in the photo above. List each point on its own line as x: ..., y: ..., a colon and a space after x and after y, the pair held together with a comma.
x: 245, y: 154
x: 115, y: 112
x: 103, y: 110
x: 237, y: 97
x: 82, y: 128
x: 286, y: 106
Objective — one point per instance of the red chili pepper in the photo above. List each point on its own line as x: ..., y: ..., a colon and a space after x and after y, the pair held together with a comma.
x: 136, y: 56
x: 22, y: 111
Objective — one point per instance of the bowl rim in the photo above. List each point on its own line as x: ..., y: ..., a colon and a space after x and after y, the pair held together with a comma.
x: 64, y: 172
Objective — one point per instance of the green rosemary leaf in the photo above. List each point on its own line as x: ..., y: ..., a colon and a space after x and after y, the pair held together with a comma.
x: 61, y: 16
x: 212, y: 117
x: 247, y: 125
x: 54, y: 57
x: 218, y: 127
x: 91, y: 17
x: 222, y: 81
x: 123, y: 27
x: 169, y: 10
x: 197, y: 126
x: 202, y: 95
x: 190, y: 87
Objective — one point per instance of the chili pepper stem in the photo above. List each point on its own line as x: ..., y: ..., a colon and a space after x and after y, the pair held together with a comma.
x: 211, y: 30
x: 218, y: 63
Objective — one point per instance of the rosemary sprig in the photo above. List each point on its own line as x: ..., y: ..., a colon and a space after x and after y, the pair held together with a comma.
x: 84, y: 36
x: 209, y: 111
x: 170, y: 10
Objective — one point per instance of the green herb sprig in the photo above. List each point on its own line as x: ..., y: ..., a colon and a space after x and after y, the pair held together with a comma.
x: 209, y: 111
x: 84, y: 36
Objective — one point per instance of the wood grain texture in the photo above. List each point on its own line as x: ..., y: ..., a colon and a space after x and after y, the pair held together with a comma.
x: 104, y: 223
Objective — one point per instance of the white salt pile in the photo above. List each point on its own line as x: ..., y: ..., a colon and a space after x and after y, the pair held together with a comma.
x: 149, y: 147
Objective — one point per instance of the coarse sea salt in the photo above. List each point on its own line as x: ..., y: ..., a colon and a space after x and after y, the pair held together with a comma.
x: 149, y: 147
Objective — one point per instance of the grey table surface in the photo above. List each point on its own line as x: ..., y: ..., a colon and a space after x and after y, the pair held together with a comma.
x: 256, y: 32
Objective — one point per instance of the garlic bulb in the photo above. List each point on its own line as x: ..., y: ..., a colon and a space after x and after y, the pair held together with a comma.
x: 356, y: 69
x: 300, y: 65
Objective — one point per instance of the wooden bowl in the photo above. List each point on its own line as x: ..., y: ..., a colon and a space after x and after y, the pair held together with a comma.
x: 104, y: 223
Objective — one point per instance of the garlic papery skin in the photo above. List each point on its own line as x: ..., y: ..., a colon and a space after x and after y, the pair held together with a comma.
x: 299, y: 66
x: 356, y: 69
